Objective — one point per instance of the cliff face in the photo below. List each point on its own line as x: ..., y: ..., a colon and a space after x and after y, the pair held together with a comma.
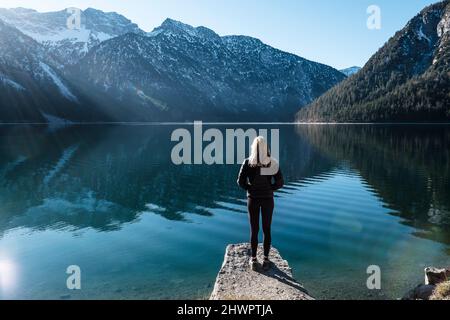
x: 236, y: 281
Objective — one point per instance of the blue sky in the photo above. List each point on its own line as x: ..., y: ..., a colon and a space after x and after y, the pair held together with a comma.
x: 333, y: 32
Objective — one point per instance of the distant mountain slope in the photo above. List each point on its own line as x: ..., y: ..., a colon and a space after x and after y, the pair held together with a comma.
x: 110, y: 70
x: 50, y: 30
x: 406, y: 80
x: 31, y: 87
x: 350, y: 71
x: 179, y: 72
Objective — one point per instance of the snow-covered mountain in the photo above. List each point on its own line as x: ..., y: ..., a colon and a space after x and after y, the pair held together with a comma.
x: 181, y: 72
x: 110, y: 69
x: 32, y: 88
x: 350, y: 71
x: 50, y: 29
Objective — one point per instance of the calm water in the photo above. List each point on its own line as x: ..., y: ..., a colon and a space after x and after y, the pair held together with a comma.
x: 108, y: 198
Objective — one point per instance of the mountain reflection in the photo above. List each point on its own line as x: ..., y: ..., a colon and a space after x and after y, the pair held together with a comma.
x: 104, y: 176
x: 407, y: 165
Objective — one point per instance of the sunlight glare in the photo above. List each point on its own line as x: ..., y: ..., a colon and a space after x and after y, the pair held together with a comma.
x: 7, y: 274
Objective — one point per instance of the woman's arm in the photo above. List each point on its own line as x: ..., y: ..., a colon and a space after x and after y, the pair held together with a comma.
x: 243, y: 177
x: 278, y: 181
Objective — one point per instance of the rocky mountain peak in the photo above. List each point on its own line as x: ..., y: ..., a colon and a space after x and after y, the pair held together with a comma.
x: 174, y: 27
x: 70, y: 45
x: 175, y: 24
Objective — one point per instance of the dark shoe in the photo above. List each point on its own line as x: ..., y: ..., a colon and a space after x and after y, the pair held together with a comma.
x: 267, y: 265
x: 254, y: 264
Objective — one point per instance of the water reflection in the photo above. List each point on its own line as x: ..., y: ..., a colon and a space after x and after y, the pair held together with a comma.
x: 407, y: 165
x: 110, y: 198
x: 104, y: 176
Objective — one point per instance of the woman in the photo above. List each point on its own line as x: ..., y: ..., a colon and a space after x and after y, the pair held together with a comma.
x: 256, y: 177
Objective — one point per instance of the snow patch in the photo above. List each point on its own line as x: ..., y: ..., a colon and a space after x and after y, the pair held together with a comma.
x: 55, y: 123
x: 55, y: 120
x: 11, y: 83
x: 157, y: 103
x: 102, y: 36
x: 154, y: 207
x: 66, y: 156
x: 421, y: 35
x: 58, y: 82
x: 75, y: 35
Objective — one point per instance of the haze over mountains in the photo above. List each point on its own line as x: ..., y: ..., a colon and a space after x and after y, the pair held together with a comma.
x: 110, y: 70
x: 408, y: 79
x: 32, y: 87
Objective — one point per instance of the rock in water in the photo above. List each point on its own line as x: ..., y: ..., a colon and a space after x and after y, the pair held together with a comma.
x: 421, y: 292
x: 435, y: 276
x: 236, y: 281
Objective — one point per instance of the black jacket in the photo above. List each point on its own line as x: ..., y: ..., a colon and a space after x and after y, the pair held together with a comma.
x: 258, y: 186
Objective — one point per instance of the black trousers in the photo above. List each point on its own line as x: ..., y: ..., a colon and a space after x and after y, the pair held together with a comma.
x: 264, y: 206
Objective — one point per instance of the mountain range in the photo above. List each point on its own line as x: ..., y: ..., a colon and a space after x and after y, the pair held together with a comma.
x: 407, y: 80
x: 110, y: 70
x: 32, y: 85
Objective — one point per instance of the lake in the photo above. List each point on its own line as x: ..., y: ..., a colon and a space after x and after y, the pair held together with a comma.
x: 108, y: 199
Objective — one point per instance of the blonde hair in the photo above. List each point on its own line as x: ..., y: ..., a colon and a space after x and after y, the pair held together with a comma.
x: 260, y: 153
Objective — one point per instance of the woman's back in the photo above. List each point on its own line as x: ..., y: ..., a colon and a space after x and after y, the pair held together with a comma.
x: 260, y: 176
x: 257, y: 184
